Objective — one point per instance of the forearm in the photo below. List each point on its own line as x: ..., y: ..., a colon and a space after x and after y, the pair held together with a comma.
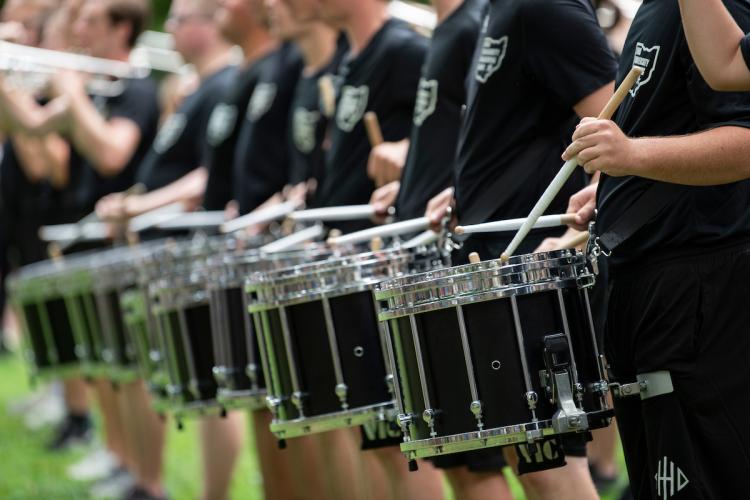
x: 718, y: 156
x: 714, y: 40
x: 55, y: 152
x: 188, y: 189
x: 23, y: 114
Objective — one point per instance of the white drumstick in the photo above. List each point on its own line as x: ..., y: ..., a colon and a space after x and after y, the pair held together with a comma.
x: 575, y: 241
x: 157, y: 216
x: 395, y: 229
x: 515, y: 224
x: 421, y: 239
x: 260, y: 216
x: 194, y: 220
x: 291, y: 241
x: 567, y: 170
x: 91, y: 231
x: 346, y: 212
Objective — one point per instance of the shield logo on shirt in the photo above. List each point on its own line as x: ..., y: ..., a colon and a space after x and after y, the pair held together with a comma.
x: 221, y: 123
x: 427, y: 94
x: 304, y: 123
x: 169, y: 133
x: 491, y: 57
x: 261, y: 101
x: 352, y: 106
x: 646, y: 58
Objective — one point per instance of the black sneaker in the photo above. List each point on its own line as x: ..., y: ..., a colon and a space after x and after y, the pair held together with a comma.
x: 74, y: 430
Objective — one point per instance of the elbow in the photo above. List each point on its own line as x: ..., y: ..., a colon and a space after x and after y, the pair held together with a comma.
x: 112, y: 163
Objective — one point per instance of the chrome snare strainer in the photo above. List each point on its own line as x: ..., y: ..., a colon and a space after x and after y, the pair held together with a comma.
x: 492, y: 354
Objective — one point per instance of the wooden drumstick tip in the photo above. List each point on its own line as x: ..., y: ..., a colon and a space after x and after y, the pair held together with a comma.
x: 327, y: 95
x: 376, y: 244
x: 474, y: 258
x: 504, y: 258
x: 458, y: 230
x: 334, y: 233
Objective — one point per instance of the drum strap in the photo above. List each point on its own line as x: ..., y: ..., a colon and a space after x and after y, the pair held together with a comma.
x: 645, y: 209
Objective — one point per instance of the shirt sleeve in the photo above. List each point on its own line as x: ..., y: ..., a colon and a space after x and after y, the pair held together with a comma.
x: 717, y: 109
x: 138, y: 103
x: 566, y: 49
x: 745, y: 46
x: 409, y: 60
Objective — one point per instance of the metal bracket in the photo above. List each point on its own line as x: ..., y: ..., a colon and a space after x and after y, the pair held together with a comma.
x: 648, y: 385
x: 404, y: 421
x: 429, y: 416
x: 568, y: 417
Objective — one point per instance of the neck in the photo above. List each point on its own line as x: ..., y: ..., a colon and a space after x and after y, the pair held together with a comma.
x: 362, y: 25
x: 212, y: 59
x: 317, y: 46
x: 444, y: 8
x: 256, y: 44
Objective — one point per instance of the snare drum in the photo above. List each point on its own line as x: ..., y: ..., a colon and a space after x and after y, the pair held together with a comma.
x: 494, y: 354
x: 237, y: 367
x: 322, y: 350
x: 51, y: 342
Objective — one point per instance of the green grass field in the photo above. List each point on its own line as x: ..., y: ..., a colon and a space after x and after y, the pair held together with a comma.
x: 28, y: 472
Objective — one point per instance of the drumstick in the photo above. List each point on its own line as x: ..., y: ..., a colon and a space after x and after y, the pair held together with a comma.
x: 515, y: 224
x: 567, y: 170
x: 373, y: 129
x: 291, y: 241
x: 474, y: 258
x: 344, y: 212
x: 376, y: 244
x: 260, y: 216
x: 194, y: 220
x: 421, y: 239
x: 149, y: 219
x: 327, y: 95
x: 575, y: 241
x: 407, y: 226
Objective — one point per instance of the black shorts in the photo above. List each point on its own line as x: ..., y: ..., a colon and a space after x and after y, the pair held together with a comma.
x: 689, y: 316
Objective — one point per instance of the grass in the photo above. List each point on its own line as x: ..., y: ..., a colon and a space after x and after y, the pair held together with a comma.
x: 28, y: 472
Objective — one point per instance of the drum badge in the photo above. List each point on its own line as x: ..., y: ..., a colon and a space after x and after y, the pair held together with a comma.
x: 170, y: 132
x: 304, y: 123
x: 491, y: 57
x: 646, y: 58
x: 352, y: 106
x: 221, y: 123
x: 670, y: 479
x: 261, y: 101
x: 426, y: 100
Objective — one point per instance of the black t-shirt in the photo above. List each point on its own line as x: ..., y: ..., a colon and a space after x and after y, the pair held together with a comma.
x: 383, y: 78
x: 180, y: 145
x: 138, y: 103
x: 261, y: 161
x: 535, y: 60
x: 437, y: 114
x: 309, y: 123
x: 222, y: 134
x: 671, y: 98
x: 745, y: 46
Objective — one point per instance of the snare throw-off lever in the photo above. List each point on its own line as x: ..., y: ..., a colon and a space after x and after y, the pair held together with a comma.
x: 568, y: 417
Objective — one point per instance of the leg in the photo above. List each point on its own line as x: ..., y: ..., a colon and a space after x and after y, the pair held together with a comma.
x: 424, y: 484
x: 346, y: 477
x: 76, y: 396
x: 76, y: 426
x: 114, y: 431
x: 308, y: 467
x: 222, y: 440
x: 275, y: 465
x: 145, y: 430
x: 468, y: 485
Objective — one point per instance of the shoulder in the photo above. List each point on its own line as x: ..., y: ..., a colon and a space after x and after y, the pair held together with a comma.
x: 404, y: 44
x: 551, y: 11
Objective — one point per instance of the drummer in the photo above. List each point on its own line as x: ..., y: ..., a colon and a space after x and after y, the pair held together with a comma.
x: 676, y: 201
x: 178, y: 151
x: 529, y: 81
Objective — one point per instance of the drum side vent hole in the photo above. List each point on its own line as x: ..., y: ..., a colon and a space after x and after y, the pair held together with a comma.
x: 495, y: 365
x: 359, y: 351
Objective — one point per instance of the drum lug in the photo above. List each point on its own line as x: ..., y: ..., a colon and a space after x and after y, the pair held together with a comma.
x: 273, y: 404
x: 251, y: 370
x: 532, y: 398
x: 429, y: 416
x: 390, y: 383
x: 568, y: 417
x: 220, y: 375
x: 194, y: 389
x: 298, y: 402
x: 404, y: 421
x: 342, y: 390
x: 476, y: 409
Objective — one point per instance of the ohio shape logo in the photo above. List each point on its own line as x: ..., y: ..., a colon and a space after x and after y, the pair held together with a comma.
x: 261, y: 101
x: 646, y: 58
x: 491, y: 57
x: 427, y: 94
x: 304, y: 123
x: 352, y: 106
x: 221, y: 123
x: 170, y: 132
